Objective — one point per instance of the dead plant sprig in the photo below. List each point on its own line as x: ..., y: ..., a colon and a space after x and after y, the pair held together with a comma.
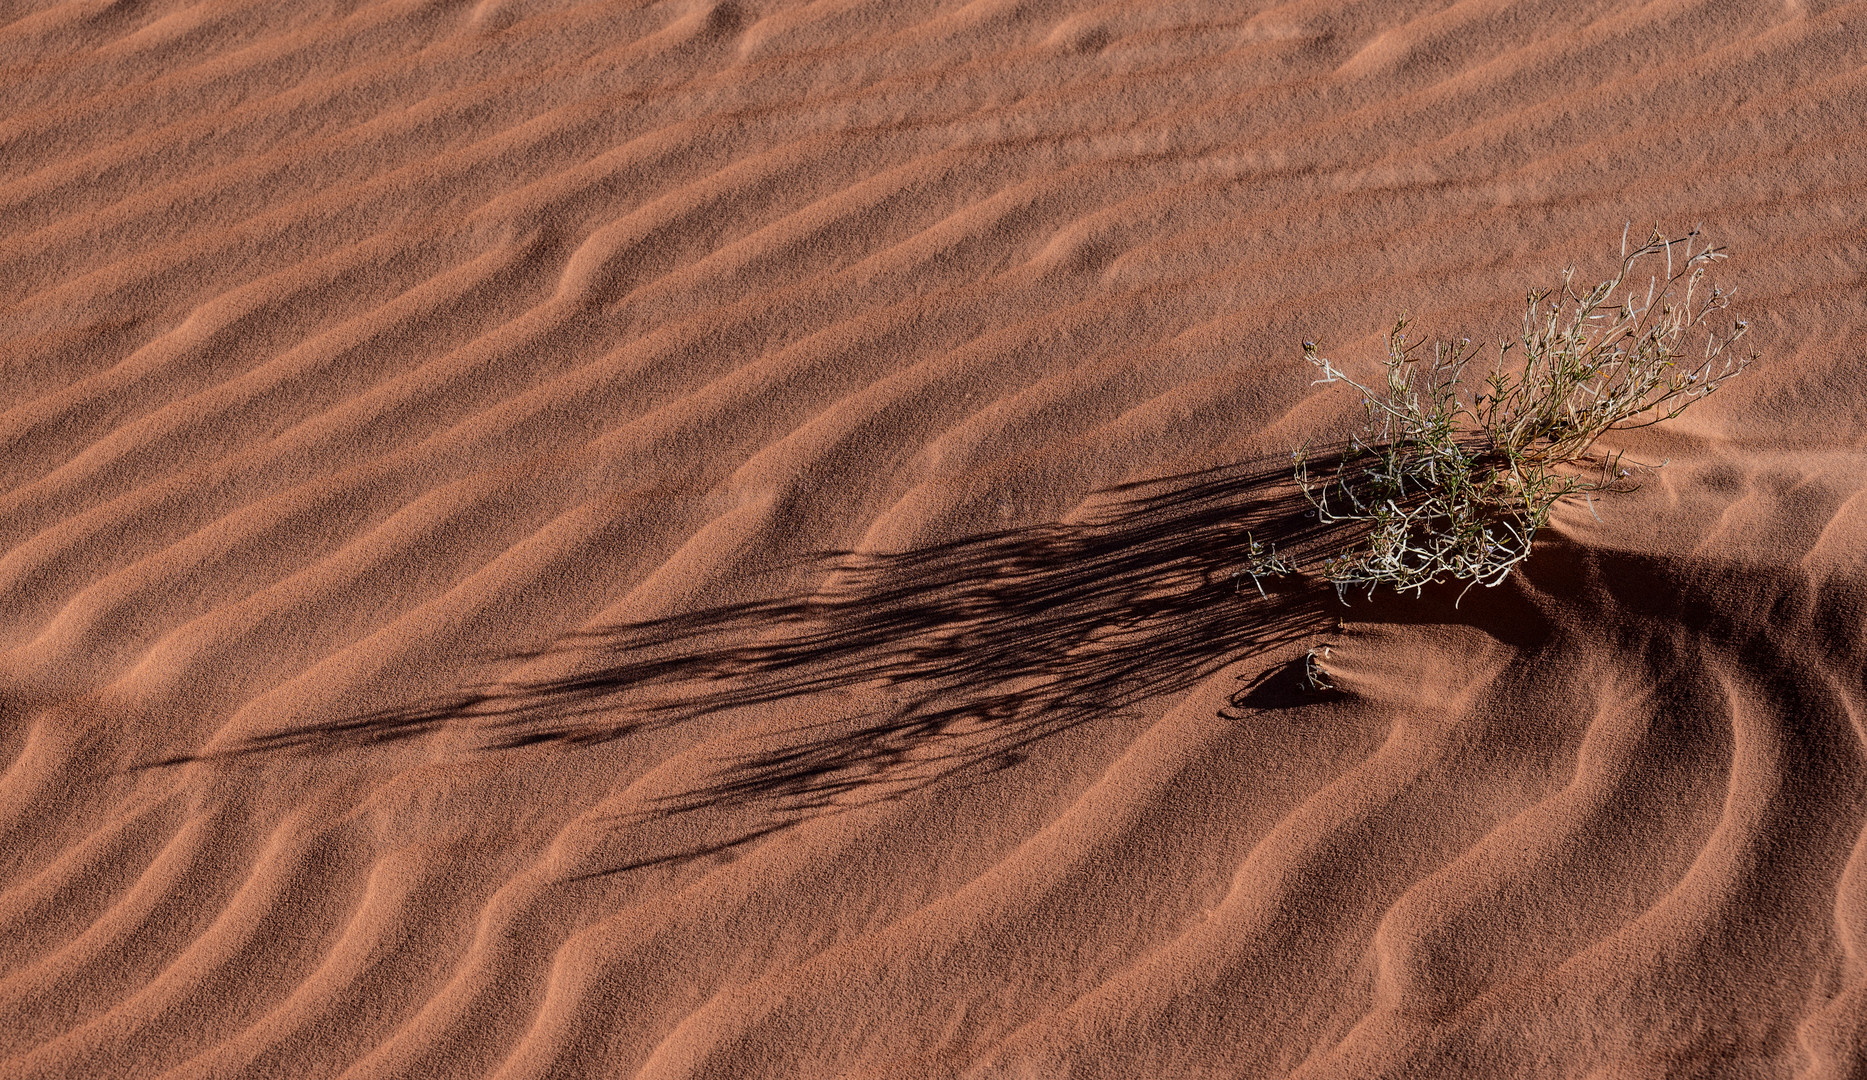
x: 1453, y: 480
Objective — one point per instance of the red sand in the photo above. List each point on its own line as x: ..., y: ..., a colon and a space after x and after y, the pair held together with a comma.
x: 349, y: 348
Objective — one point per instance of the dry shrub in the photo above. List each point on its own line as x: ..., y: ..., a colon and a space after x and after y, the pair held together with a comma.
x: 1453, y: 479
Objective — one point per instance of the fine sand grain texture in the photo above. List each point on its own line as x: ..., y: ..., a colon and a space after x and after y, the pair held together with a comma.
x: 423, y: 426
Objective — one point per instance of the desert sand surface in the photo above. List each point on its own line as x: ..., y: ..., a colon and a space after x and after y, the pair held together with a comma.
x: 425, y: 425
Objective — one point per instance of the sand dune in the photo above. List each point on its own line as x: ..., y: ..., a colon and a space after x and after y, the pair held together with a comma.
x: 423, y: 426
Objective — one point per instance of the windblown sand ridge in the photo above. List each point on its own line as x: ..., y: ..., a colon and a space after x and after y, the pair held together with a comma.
x: 423, y: 424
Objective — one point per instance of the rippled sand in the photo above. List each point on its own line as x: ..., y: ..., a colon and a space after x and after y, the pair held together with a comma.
x: 423, y: 425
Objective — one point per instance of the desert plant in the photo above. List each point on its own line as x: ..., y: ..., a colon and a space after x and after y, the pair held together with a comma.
x: 1315, y: 677
x: 1261, y: 561
x: 1453, y: 480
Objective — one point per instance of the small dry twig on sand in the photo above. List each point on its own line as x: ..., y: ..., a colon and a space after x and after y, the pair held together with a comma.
x: 1454, y: 481
x: 1315, y: 678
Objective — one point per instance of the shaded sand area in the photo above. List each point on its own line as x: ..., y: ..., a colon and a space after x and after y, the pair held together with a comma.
x: 424, y: 425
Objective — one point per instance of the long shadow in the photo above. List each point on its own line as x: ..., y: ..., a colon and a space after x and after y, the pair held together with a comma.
x: 978, y: 647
